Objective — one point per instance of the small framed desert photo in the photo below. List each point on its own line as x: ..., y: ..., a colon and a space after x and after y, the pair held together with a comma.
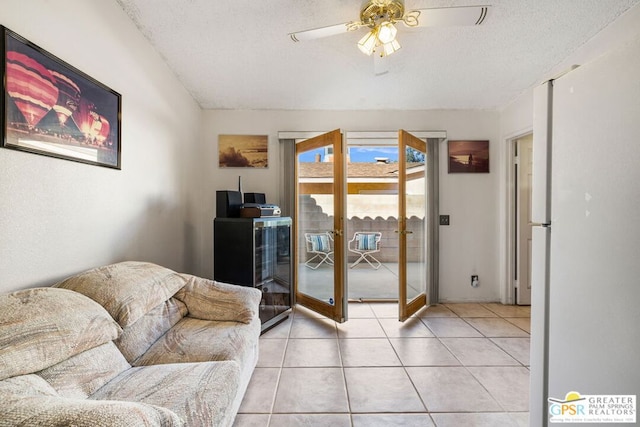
x: 243, y: 151
x: 468, y: 156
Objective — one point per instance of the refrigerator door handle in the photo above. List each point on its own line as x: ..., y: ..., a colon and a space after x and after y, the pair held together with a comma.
x: 541, y: 186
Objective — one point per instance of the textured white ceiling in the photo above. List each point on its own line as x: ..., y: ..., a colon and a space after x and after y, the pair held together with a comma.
x: 235, y: 54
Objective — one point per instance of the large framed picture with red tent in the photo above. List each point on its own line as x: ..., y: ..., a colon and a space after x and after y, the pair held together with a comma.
x: 49, y: 107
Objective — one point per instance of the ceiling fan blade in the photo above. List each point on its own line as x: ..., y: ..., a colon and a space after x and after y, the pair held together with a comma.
x: 317, y: 33
x: 452, y: 16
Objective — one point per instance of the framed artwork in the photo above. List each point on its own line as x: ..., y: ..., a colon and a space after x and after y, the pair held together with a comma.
x: 243, y: 151
x: 468, y: 156
x: 53, y: 109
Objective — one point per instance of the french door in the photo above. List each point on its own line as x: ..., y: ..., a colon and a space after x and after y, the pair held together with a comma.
x: 412, y: 225
x: 320, y: 241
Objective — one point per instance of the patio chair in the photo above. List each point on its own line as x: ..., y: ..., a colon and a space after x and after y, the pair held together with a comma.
x: 320, y: 246
x: 365, y: 244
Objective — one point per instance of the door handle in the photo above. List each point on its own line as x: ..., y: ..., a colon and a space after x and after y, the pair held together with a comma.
x: 403, y: 232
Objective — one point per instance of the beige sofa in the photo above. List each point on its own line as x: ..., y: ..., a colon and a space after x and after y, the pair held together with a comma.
x: 125, y: 345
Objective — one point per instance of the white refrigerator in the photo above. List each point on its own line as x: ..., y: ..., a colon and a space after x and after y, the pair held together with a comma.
x: 585, y: 321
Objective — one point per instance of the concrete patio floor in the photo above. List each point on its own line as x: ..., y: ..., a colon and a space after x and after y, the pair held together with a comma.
x: 363, y: 281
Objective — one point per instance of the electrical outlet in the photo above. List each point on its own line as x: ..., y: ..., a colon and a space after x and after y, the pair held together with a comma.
x: 474, y: 281
x: 444, y: 219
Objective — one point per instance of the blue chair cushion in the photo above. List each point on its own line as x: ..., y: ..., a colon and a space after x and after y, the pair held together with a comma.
x: 320, y: 243
x: 367, y: 242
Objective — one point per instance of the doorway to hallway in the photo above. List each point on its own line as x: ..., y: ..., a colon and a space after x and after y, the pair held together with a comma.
x: 521, y: 214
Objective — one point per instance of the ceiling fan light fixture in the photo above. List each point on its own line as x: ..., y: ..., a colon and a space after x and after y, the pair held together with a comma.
x: 381, y: 17
x: 389, y: 48
x: 387, y: 32
x: 367, y: 44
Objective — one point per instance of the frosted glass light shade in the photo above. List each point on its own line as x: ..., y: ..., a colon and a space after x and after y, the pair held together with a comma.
x: 367, y: 44
x: 390, y: 47
x: 387, y: 32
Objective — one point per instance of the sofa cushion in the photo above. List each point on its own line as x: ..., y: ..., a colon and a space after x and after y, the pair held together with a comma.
x: 196, y: 340
x: 81, y: 375
x: 28, y: 400
x: 137, y: 338
x: 201, y: 394
x: 41, y: 327
x: 127, y: 290
x: 210, y: 300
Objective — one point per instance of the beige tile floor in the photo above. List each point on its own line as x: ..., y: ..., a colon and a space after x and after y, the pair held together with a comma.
x: 450, y: 365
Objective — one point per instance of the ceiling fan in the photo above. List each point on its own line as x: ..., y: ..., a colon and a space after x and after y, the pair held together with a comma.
x: 381, y: 17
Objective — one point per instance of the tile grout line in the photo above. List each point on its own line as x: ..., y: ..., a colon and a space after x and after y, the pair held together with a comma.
x: 344, y: 375
x: 464, y: 366
x: 474, y: 376
x: 284, y: 355
x: 500, y: 347
x: 404, y: 368
x: 499, y: 316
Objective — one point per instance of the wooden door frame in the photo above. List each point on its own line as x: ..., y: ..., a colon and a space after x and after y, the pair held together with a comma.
x: 337, y: 311
x: 407, y: 309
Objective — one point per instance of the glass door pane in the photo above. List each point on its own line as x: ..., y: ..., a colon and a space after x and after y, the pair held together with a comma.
x: 412, y: 224
x: 319, y: 231
x: 372, y: 211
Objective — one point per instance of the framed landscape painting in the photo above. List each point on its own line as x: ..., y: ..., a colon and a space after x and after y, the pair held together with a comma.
x: 51, y: 108
x: 243, y: 151
x: 468, y: 156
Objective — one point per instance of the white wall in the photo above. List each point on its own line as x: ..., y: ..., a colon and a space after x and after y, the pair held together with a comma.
x: 468, y: 246
x: 59, y: 217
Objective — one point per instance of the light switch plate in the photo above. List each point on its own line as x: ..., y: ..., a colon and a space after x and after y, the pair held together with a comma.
x: 444, y: 219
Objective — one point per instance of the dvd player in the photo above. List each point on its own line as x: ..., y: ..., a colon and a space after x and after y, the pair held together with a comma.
x: 259, y: 210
